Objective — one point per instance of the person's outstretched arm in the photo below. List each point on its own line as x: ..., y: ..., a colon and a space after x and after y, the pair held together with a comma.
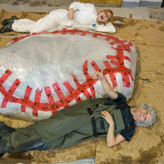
x: 111, y: 139
x: 106, y: 86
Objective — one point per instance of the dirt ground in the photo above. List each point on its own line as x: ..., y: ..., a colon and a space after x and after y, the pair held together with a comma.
x: 147, y: 144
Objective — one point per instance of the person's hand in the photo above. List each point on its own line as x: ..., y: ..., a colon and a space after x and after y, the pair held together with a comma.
x: 71, y: 14
x: 107, y: 116
x: 98, y: 75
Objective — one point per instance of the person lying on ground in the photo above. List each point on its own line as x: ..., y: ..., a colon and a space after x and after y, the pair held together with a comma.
x: 111, y: 117
x: 79, y: 15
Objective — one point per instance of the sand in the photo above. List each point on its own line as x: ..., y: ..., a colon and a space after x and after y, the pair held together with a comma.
x: 146, y: 145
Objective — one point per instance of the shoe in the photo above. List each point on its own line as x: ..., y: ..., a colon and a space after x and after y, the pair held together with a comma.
x: 6, y: 28
x: 3, y: 147
x: 6, y: 21
x: 5, y: 130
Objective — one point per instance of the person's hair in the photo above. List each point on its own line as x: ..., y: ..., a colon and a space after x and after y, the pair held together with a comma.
x: 111, y: 13
x: 148, y: 107
x: 108, y: 11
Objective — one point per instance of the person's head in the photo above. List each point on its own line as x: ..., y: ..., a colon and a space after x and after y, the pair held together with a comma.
x: 104, y: 16
x: 144, y: 115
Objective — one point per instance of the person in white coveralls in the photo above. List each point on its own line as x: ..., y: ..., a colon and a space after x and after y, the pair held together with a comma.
x: 79, y: 15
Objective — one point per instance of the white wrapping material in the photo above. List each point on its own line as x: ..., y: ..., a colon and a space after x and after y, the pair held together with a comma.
x: 42, y: 60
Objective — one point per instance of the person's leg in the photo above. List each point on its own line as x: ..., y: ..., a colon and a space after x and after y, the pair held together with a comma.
x: 61, y: 123
x: 4, y: 131
x: 3, y: 146
x: 44, y: 24
x: 23, y: 25
x: 47, y: 23
x: 18, y: 25
x: 33, y: 145
x: 27, y: 25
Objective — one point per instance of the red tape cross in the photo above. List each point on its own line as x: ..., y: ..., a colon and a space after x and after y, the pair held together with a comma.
x: 70, y: 89
x: 108, y: 37
x: 124, y: 72
x: 89, y: 79
x: 81, y: 88
x: 4, y: 77
x: 49, y: 95
x: 95, y: 35
x: 117, y: 57
x: 84, y: 33
x: 63, y: 101
x: 94, y: 65
x: 74, y: 31
x: 26, y: 98
x: 8, y: 95
x: 111, y: 74
x: 50, y: 100
x: 37, y: 101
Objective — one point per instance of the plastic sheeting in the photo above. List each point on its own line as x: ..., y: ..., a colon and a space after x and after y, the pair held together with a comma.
x: 42, y: 73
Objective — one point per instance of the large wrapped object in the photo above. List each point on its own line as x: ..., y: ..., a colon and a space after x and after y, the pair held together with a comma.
x: 42, y: 73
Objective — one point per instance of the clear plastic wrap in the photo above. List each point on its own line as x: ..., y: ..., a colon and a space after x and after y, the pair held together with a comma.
x: 42, y: 73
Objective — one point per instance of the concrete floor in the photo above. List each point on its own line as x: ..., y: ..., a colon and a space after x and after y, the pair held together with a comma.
x: 48, y: 5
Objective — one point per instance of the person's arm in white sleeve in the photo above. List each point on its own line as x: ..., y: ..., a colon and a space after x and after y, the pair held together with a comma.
x: 81, y: 6
x: 105, y: 28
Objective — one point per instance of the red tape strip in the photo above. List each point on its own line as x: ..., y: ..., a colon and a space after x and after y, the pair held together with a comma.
x: 49, y: 95
x: 26, y: 98
x: 36, y: 101
x: 89, y: 79
x: 111, y: 74
x: 8, y: 95
x: 81, y: 88
x: 4, y: 77
x: 70, y: 89
x: 94, y: 65
x: 84, y: 33
x: 63, y: 101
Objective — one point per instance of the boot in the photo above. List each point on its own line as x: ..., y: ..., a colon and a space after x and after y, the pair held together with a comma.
x: 6, y: 21
x: 4, y: 130
x: 6, y: 28
x: 3, y: 146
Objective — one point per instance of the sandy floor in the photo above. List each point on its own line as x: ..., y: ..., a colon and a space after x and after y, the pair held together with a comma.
x: 146, y: 145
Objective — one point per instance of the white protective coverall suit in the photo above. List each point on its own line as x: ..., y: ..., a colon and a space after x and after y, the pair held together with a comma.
x: 85, y: 16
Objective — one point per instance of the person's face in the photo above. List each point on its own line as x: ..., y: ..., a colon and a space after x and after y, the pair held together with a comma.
x: 103, y: 17
x: 142, y: 115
